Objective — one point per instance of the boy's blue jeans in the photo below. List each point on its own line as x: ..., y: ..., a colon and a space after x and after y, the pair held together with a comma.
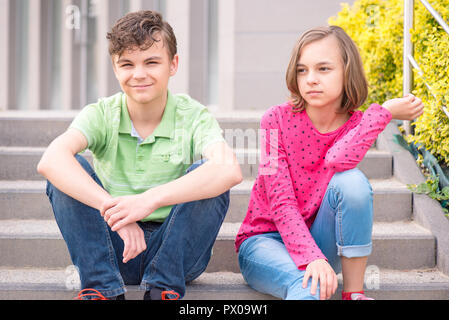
x: 178, y: 250
x: 342, y: 227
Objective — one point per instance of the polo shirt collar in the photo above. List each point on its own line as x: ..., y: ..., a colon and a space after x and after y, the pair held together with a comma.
x: 166, y: 127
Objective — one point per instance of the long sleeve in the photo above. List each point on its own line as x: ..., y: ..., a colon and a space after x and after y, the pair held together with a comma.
x: 348, y: 151
x: 283, y: 204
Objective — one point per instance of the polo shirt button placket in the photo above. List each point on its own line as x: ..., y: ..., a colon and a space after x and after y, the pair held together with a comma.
x: 139, y: 159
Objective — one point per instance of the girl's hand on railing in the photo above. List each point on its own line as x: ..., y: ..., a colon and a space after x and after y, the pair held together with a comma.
x: 406, y: 108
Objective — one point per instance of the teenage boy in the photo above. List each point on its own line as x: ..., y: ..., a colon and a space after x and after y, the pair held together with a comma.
x: 149, y: 213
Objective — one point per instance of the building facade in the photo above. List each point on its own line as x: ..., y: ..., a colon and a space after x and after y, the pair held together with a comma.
x: 233, y: 53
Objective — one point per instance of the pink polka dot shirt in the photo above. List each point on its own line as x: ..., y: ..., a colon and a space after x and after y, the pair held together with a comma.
x: 295, y: 169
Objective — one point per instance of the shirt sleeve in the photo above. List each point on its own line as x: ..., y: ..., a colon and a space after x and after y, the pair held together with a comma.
x: 350, y: 149
x: 283, y: 205
x: 91, y: 123
x: 206, y: 131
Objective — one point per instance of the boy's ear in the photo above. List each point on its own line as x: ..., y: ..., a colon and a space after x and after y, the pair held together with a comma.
x: 174, y: 65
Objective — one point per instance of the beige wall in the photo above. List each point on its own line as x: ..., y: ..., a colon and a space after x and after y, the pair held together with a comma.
x: 260, y: 35
x: 254, y: 39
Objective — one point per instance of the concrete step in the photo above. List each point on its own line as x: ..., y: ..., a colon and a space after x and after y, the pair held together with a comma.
x: 20, y: 163
x: 375, y: 165
x: 392, y: 200
x: 396, y: 245
x: 38, y: 129
x: 38, y: 243
x: 63, y: 284
x: 21, y: 199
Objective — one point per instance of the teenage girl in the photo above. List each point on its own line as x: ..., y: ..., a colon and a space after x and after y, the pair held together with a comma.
x: 310, y: 213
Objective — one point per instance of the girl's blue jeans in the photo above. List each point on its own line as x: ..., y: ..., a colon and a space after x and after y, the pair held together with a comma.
x: 342, y: 227
x: 178, y: 250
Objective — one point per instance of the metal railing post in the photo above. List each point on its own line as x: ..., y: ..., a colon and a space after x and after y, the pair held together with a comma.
x: 408, y: 50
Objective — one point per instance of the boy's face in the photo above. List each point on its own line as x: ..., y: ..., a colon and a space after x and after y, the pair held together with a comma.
x: 143, y: 74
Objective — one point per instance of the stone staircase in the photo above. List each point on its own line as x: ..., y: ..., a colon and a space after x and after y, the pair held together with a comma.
x: 34, y: 262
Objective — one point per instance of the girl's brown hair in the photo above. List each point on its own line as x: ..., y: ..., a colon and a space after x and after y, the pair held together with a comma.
x: 139, y: 30
x: 355, y: 86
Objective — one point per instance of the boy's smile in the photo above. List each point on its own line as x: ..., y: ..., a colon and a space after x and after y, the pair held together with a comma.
x: 144, y: 74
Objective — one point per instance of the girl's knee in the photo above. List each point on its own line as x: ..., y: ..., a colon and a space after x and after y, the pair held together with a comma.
x: 352, y: 186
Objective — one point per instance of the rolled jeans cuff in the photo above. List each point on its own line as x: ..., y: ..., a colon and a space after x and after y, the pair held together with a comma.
x: 355, y: 251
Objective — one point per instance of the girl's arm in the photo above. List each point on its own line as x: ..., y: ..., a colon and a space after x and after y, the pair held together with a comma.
x: 284, y: 209
x: 347, y: 152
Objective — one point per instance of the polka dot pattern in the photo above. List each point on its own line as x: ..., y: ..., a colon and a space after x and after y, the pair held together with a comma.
x: 295, y: 168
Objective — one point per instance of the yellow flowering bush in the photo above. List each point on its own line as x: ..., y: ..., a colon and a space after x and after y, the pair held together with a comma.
x: 376, y: 26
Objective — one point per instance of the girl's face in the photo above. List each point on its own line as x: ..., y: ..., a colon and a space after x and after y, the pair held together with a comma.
x: 320, y: 73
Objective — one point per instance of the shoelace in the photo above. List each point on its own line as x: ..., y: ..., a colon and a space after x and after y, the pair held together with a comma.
x: 91, y: 293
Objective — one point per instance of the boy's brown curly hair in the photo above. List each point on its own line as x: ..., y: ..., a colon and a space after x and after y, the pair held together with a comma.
x: 139, y: 30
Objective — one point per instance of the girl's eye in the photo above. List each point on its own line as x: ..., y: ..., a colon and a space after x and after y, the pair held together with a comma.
x: 324, y: 69
x: 301, y: 70
x: 125, y: 65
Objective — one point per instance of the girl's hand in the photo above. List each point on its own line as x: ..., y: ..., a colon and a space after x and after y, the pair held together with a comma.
x: 321, y: 271
x: 406, y: 108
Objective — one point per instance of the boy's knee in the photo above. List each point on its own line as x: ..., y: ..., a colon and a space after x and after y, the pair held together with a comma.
x: 84, y: 163
x: 195, y: 165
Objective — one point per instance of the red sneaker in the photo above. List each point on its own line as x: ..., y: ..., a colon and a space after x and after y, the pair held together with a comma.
x: 354, y: 296
x: 359, y: 296
x: 165, y: 294
x: 159, y: 294
x: 95, y: 294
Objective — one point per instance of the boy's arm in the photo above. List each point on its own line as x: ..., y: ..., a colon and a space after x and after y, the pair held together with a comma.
x: 59, y: 166
x: 214, y: 177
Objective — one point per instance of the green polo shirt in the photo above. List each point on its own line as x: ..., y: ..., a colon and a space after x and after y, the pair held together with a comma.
x: 126, y: 164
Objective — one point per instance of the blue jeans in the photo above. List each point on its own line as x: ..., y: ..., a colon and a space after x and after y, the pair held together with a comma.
x: 178, y: 250
x: 342, y: 227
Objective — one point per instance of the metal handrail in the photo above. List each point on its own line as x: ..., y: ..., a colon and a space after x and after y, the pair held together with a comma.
x: 436, y: 15
x: 408, y: 60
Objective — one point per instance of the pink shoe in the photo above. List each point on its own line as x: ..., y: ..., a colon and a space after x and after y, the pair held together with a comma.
x: 359, y: 296
x: 354, y: 296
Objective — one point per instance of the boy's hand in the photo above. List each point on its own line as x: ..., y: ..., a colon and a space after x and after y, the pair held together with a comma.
x: 134, y: 239
x: 406, y: 108
x: 118, y: 212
